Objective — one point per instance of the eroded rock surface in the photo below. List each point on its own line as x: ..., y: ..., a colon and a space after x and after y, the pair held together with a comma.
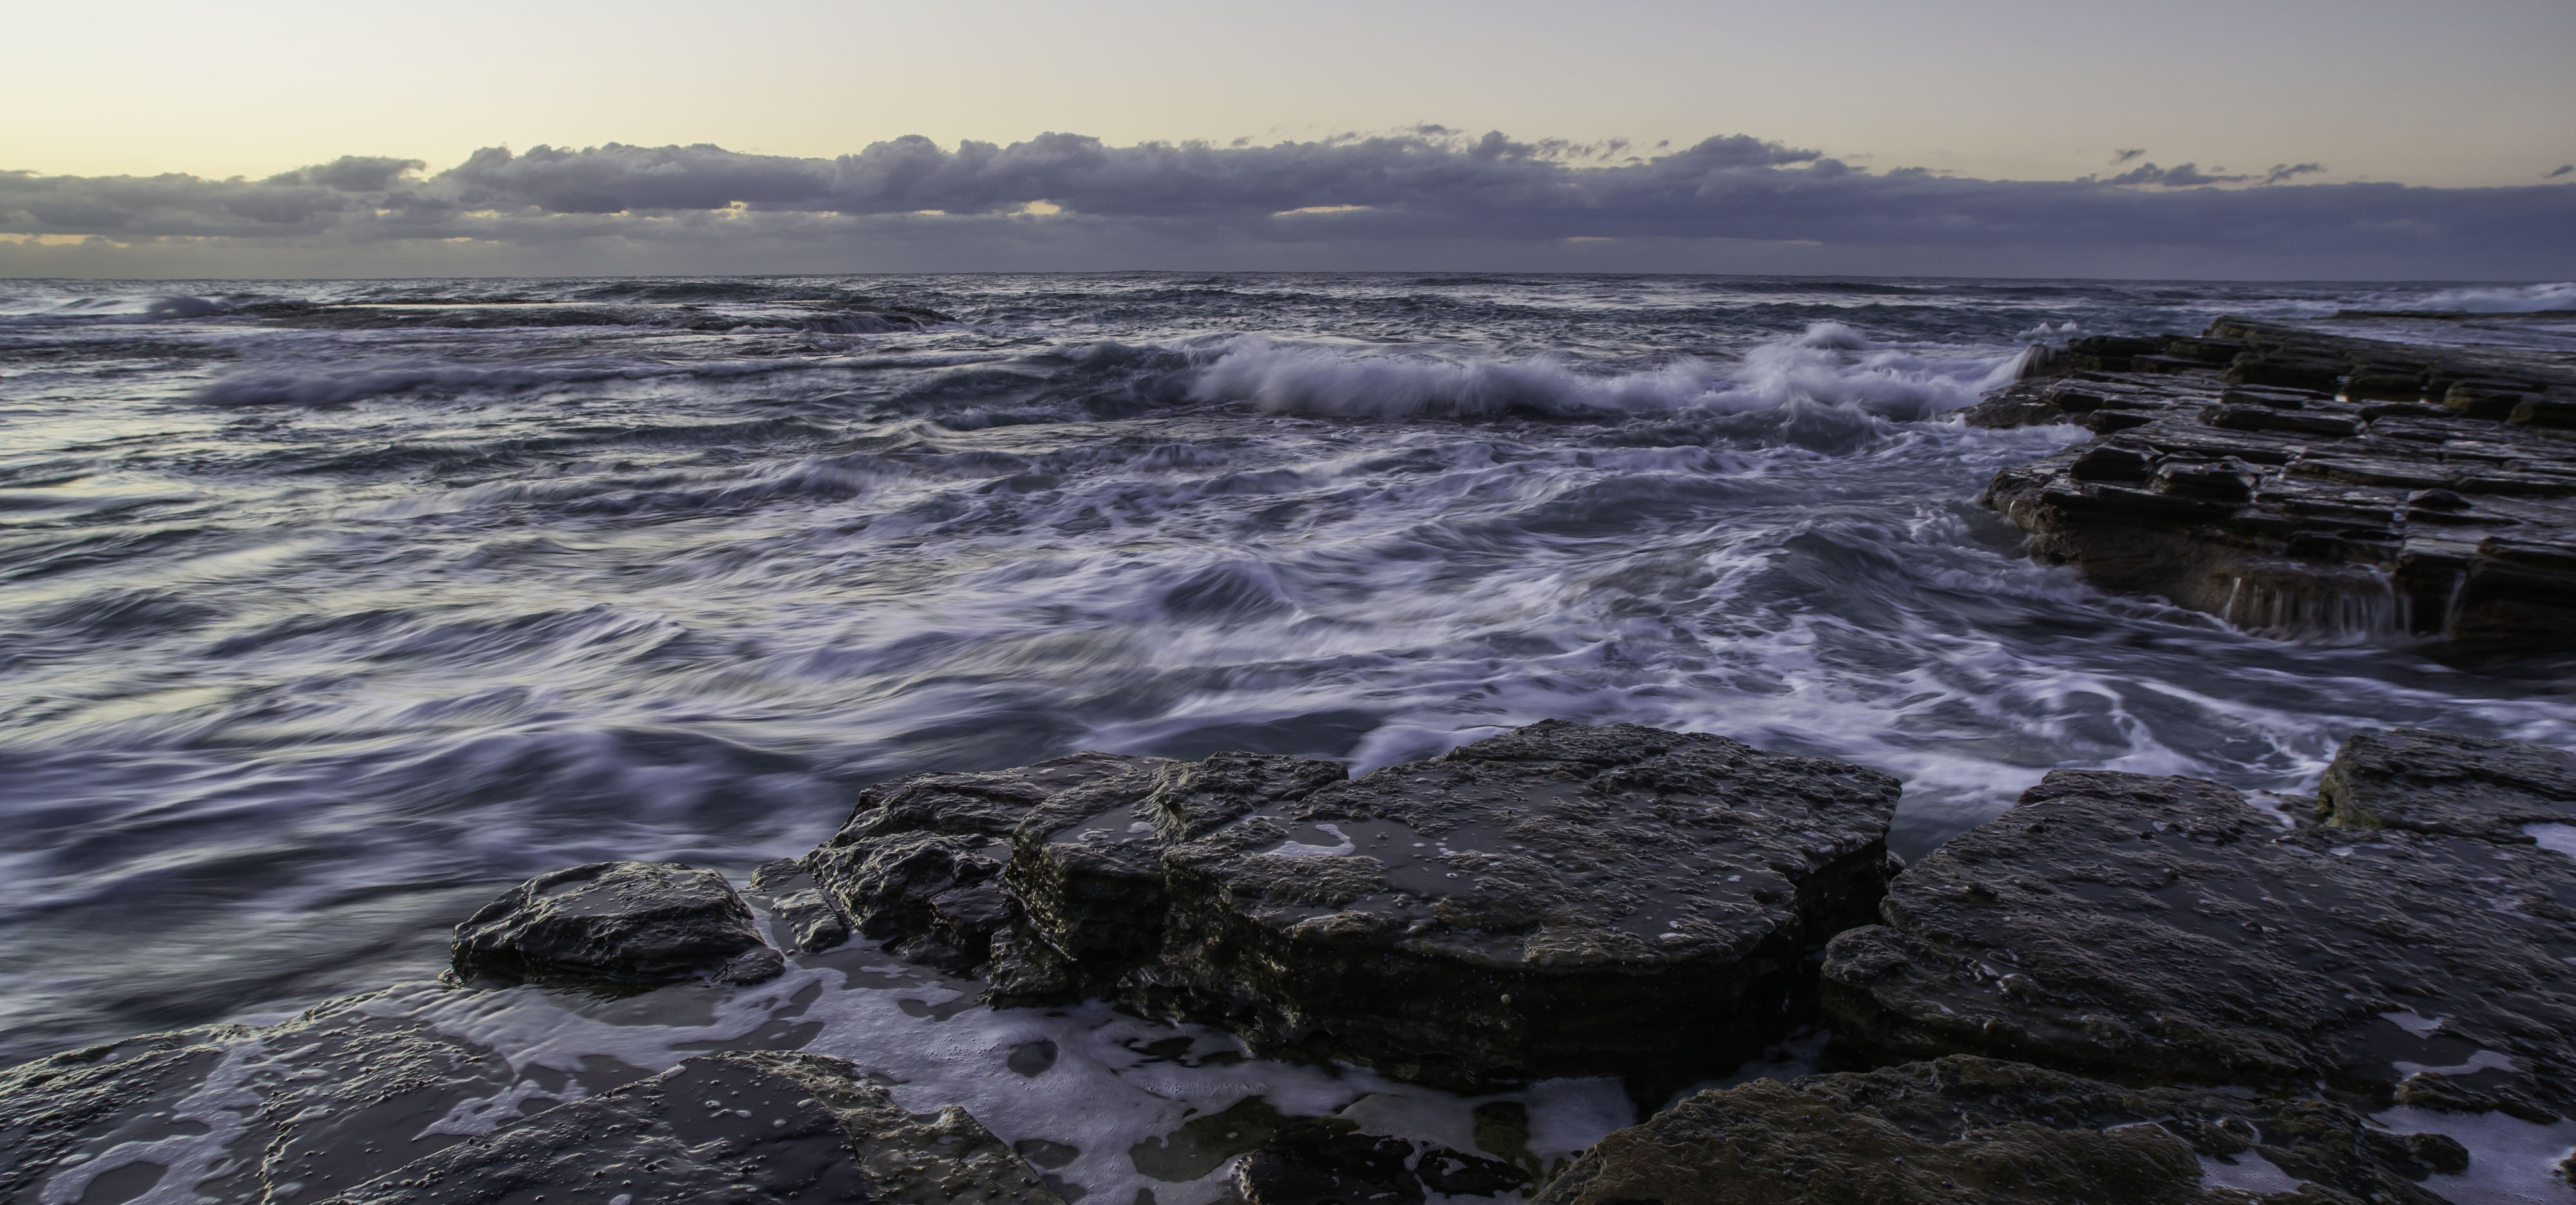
x: 228, y: 1113
x: 742, y: 1127
x: 2163, y: 929
x: 1972, y: 1129
x: 637, y: 922
x: 2443, y: 782
x: 1557, y: 900
x: 2291, y: 479
x: 919, y: 861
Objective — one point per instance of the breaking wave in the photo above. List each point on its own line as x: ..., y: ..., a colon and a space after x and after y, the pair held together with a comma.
x: 1828, y: 363
x: 2525, y: 299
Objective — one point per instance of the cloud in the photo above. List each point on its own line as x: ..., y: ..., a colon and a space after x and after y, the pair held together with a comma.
x: 2564, y: 169
x: 2187, y: 175
x: 1351, y: 200
x: 2123, y: 156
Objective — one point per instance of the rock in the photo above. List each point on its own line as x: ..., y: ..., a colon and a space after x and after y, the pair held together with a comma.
x: 920, y: 858
x: 229, y: 1114
x: 2312, y: 531
x: 814, y: 920
x: 2444, y: 783
x: 636, y: 922
x: 59, y: 1112
x: 1556, y: 900
x: 2162, y: 929
x: 1309, y: 1160
x: 1972, y: 1129
x: 742, y: 1127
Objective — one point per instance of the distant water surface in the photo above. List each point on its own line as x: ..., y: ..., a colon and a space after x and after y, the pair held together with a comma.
x: 327, y: 609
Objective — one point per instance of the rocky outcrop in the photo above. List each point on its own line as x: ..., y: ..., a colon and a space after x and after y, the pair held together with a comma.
x: 1971, y: 1129
x: 919, y: 862
x: 745, y: 1127
x: 630, y: 922
x: 2445, y: 783
x: 2290, y: 479
x: 1558, y: 900
x: 2165, y: 930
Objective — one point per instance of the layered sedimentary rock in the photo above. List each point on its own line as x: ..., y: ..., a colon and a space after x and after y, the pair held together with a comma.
x: 754, y: 1128
x: 2163, y: 930
x: 2443, y: 782
x: 1557, y: 900
x: 919, y: 861
x: 1971, y: 1129
x: 2291, y: 479
x: 633, y: 922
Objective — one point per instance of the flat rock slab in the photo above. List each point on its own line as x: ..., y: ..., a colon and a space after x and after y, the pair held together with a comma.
x: 2442, y: 782
x: 2163, y: 929
x: 1972, y: 1129
x: 752, y: 1128
x: 1557, y: 900
x: 635, y: 922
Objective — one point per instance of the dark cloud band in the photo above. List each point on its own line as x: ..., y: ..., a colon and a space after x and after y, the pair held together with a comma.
x: 1427, y: 185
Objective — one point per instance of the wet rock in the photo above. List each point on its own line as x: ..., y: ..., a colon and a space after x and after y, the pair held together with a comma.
x: 1312, y: 1160
x: 2315, y: 533
x: 59, y: 1112
x: 230, y: 1114
x: 2445, y: 783
x: 635, y: 922
x: 1557, y: 900
x: 1972, y: 1129
x: 743, y: 1127
x: 920, y: 858
x: 2163, y: 929
x: 814, y: 920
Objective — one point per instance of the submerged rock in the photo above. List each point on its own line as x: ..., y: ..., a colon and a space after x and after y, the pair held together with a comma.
x: 2162, y: 929
x: 637, y: 922
x: 1557, y: 900
x: 742, y: 1127
x: 1972, y: 1129
x: 2314, y: 483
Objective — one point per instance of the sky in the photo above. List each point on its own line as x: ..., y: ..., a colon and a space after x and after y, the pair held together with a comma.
x: 2353, y: 138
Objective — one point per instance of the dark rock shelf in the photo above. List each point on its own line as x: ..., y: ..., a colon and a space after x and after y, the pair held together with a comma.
x: 2164, y: 930
x: 1971, y: 1129
x: 2291, y: 479
x: 1557, y: 900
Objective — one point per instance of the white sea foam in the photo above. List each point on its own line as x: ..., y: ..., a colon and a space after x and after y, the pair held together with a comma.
x: 2524, y: 299
x: 1830, y: 363
x: 1101, y: 1091
x: 2511, y: 1161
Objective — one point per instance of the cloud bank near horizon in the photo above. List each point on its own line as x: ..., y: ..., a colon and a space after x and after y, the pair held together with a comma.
x: 1392, y: 201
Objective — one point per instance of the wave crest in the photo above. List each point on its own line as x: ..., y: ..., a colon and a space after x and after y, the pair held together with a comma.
x: 1828, y: 363
x: 2526, y: 299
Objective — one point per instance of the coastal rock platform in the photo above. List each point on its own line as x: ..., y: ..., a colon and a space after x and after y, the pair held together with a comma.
x: 2295, y: 479
x: 1972, y: 1129
x: 2166, y: 930
x: 1557, y: 900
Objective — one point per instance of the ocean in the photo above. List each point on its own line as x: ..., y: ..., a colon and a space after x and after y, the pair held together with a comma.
x: 329, y: 609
